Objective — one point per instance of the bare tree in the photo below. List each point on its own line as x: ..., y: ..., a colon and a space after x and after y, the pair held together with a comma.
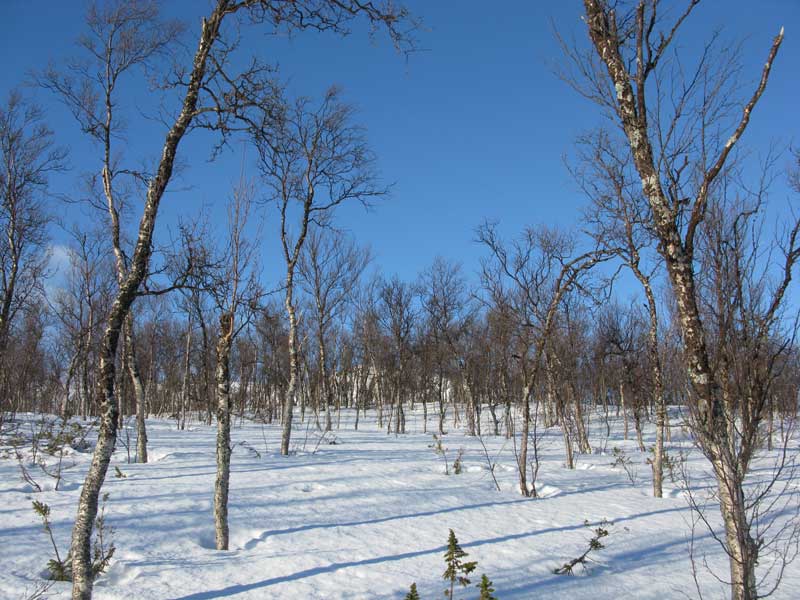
x: 396, y: 315
x: 329, y: 268
x: 618, y: 218
x: 443, y: 295
x: 196, y: 85
x: 671, y: 126
x: 312, y: 159
x: 122, y: 37
x: 236, y: 294
x: 539, y: 269
x: 454, y: 324
x: 80, y: 306
x: 29, y: 155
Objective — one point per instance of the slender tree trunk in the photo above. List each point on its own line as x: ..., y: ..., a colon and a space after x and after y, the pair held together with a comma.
x: 583, y: 438
x: 138, y: 391
x: 442, y: 406
x: 73, y: 363
x: 186, y: 367
x: 289, y: 399
x: 323, y: 372
x: 637, y: 425
x: 624, y: 409
x: 222, y: 482
x: 523, y: 443
x: 82, y: 576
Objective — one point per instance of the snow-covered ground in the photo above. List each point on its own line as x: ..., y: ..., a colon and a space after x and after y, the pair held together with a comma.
x: 366, y: 516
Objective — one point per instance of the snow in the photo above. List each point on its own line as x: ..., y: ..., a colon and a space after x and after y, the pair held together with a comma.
x: 366, y: 516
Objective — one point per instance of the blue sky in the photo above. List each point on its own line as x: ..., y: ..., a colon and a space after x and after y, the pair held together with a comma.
x: 474, y: 126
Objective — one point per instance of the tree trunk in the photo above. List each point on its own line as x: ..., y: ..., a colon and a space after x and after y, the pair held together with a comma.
x: 289, y: 399
x: 73, y: 363
x: 523, y: 444
x: 138, y: 392
x: 186, y: 366
x: 82, y: 575
x: 222, y: 482
x: 583, y: 439
x: 624, y: 410
x: 742, y: 549
x: 83, y: 578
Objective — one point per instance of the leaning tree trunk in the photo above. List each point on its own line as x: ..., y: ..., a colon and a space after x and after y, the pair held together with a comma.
x: 82, y: 574
x: 223, y: 381
x: 658, y: 383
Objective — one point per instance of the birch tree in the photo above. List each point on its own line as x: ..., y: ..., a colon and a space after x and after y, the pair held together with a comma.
x: 28, y: 156
x: 312, y: 159
x: 330, y: 267
x: 209, y: 70
x: 122, y: 37
x: 533, y: 273
x: 618, y: 216
x: 236, y: 294
x: 680, y: 134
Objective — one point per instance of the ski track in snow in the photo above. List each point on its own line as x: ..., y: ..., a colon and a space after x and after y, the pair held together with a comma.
x: 365, y: 517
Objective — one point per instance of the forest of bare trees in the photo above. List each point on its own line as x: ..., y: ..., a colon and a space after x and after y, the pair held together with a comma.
x: 534, y: 338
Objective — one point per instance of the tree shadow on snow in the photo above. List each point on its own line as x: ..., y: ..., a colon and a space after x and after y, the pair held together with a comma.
x: 321, y: 570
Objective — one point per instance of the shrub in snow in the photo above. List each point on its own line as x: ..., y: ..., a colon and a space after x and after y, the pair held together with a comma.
x: 621, y: 459
x: 568, y: 568
x: 102, y: 548
x: 440, y: 450
x: 458, y: 463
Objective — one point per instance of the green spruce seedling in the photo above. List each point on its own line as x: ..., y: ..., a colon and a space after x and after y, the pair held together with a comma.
x: 486, y: 589
x: 412, y: 594
x: 102, y: 549
x: 59, y: 569
x: 456, y: 571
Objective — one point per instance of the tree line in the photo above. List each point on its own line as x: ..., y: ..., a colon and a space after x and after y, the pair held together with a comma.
x: 537, y: 338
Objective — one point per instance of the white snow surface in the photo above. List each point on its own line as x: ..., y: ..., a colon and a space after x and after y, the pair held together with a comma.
x: 366, y: 516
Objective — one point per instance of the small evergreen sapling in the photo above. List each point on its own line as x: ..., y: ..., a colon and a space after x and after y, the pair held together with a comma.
x: 456, y: 571
x: 102, y: 548
x: 59, y: 569
x: 412, y: 594
x: 485, y: 587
